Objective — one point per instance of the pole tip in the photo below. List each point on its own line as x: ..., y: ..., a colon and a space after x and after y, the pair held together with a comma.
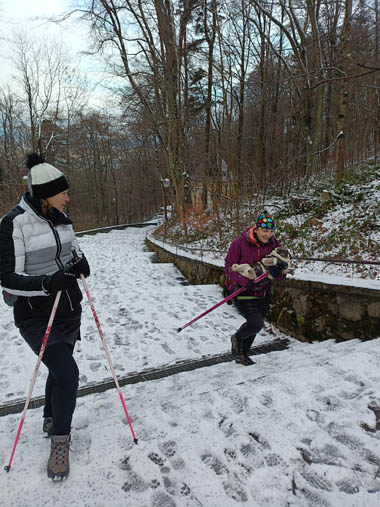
x: 179, y: 329
x: 135, y: 441
x: 7, y: 468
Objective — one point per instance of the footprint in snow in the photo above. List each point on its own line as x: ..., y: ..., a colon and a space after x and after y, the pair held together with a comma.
x: 235, y: 491
x: 156, y: 458
x: 170, y: 486
x: 154, y: 484
x: 95, y: 366
x: 273, y: 460
x: 81, y: 448
x: 134, y: 483
x: 338, y: 434
x: 160, y: 499
x: 327, y: 455
x: 354, y: 380
x: 185, y: 490
x: 314, y: 415
x: 264, y: 444
x: 348, y: 486
x: 82, y: 423
x: 247, y: 450
x: 372, y: 458
x: 266, y: 399
x: 214, y: 463
x: 169, y: 448
x: 317, y: 481
x: 314, y: 499
x: 125, y: 465
x: 178, y: 464
x: 167, y: 349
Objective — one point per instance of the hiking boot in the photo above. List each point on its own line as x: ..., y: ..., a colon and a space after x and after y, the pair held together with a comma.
x: 58, y: 464
x: 244, y: 359
x: 238, y: 353
x: 247, y: 344
x: 235, y: 345
x: 48, y: 425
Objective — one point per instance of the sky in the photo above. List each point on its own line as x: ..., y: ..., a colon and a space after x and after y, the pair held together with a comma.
x: 31, y: 16
x: 296, y: 429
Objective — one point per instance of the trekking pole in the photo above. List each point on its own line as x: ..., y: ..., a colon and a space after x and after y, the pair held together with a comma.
x: 237, y: 292
x: 107, y: 354
x: 42, y: 350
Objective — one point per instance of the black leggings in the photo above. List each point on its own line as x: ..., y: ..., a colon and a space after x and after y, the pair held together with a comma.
x: 254, y: 311
x: 61, y: 386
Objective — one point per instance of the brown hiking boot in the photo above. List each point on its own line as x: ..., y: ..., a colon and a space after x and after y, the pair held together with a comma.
x: 244, y: 359
x: 238, y: 353
x: 47, y: 425
x: 58, y: 464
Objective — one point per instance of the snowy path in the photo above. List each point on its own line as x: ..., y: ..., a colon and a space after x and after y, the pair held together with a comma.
x: 140, y: 306
x: 286, y: 432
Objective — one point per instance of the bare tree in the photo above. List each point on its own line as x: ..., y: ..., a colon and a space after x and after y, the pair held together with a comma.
x: 344, y: 90
x: 45, y: 75
x: 152, y: 62
x: 12, y: 136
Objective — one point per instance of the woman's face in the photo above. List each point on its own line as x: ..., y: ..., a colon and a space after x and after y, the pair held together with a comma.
x: 264, y: 235
x: 59, y: 201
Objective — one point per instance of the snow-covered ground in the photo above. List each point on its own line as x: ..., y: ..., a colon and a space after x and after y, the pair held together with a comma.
x: 293, y: 430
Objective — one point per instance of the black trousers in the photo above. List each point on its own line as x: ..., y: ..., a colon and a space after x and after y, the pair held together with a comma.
x: 254, y: 311
x: 61, y: 386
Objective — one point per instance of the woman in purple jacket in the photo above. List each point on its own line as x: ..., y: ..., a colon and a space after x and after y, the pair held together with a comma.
x: 253, y: 303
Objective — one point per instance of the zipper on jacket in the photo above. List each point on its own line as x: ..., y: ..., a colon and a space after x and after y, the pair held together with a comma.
x: 30, y: 304
x: 59, y: 245
x: 70, y: 302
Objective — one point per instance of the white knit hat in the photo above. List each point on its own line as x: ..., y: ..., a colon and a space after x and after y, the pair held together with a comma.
x: 44, y: 180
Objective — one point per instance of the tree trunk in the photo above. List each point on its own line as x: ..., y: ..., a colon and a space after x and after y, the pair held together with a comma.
x: 343, y: 95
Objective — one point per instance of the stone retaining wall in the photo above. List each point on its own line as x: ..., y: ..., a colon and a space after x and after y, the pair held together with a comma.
x: 307, y: 310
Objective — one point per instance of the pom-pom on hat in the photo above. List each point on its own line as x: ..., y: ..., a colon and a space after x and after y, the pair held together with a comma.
x: 44, y: 180
x: 265, y: 221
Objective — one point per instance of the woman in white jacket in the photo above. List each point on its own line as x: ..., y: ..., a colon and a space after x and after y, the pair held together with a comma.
x: 36, y: 238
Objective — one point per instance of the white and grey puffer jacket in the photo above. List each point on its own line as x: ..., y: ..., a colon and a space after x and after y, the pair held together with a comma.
x: 31, y: 247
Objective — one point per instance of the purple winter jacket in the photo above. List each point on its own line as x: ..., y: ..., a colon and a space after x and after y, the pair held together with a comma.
x: 243, y: 251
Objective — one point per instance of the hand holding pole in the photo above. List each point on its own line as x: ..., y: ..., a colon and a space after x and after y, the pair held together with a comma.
x: 234, y: 294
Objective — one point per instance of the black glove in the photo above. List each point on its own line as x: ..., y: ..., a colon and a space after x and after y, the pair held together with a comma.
x: 60, y: 280
x: 258, y: 268
x: 282, y: 254
x: 81, y: 267
x: 251, y: 285
x: 276, y: 271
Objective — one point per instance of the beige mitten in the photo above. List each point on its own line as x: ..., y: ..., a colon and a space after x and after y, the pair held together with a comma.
x: 251, y: 272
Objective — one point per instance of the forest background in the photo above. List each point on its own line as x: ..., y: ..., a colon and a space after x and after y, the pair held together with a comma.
x: 212, y: 107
